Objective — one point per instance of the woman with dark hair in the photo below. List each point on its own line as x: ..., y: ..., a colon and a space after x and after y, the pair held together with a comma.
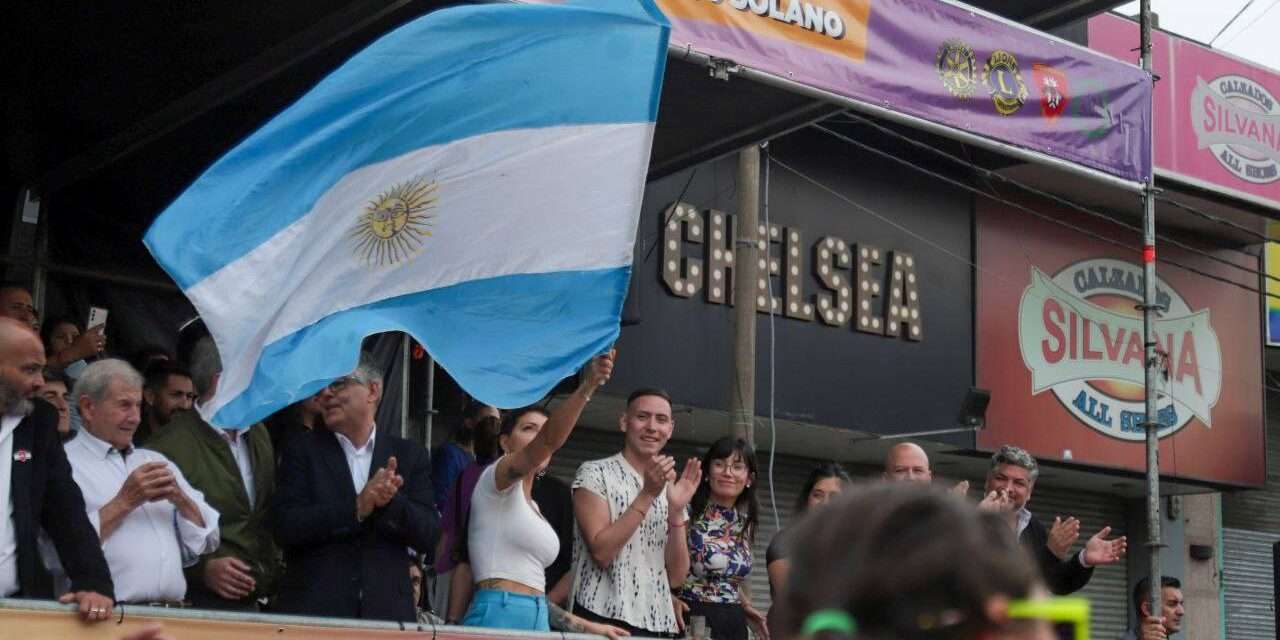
x: 725, y: 514
x: 65, y: 345
x: 510, y: 544
x: 826, y: 481
x: 451, y: 458
x: 909, y: 562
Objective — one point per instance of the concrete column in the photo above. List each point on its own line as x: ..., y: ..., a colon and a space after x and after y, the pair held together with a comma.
x: 1202, y: 579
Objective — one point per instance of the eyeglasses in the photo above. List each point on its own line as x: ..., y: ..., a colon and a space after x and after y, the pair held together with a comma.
x: 343, y: 382
x: 1069, y: 617
x: 19, y: 308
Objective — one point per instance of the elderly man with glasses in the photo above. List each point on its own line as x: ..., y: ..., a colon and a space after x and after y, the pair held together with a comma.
x: 235, y: 470
x: 351, y: 503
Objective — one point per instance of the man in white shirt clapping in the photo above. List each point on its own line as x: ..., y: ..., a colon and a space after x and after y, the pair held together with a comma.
x: 152, y: 523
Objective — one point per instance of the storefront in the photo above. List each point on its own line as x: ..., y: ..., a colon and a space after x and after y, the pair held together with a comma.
x: 1216, y: 136
x: 887, y: 293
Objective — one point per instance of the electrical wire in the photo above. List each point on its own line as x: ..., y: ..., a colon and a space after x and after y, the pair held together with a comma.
x: 773, y: 427
x: 1251, y: 23
x: 989, y: 174
x: 1219, y: 220
x: 1048, y: 218
x: 1231, y: 22
x: 942, y: 249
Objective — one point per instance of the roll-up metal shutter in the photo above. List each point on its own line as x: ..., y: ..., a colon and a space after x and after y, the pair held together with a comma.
x: 1247, y: 584
x: 1108, y: 591
x: 789, y: 473
x: 1259, y: 510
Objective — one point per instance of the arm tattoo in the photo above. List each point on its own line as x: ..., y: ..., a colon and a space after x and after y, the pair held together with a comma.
x: 562, y: 620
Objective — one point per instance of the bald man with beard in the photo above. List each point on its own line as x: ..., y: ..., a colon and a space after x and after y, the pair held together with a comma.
x: 37, y: 490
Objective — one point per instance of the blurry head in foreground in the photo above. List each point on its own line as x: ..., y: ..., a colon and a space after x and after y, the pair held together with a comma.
x: 905, y: 561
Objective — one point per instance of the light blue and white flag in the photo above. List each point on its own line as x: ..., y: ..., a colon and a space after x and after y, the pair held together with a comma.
x: 473, y: 178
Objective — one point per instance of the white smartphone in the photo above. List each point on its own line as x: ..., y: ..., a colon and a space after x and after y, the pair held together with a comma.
x: 97, y: 318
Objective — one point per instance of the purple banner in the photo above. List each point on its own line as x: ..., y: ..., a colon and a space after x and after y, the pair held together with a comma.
x: 942, y: 62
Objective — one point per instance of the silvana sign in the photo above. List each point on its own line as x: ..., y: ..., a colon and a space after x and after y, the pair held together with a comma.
x: 1082, y: 341
x: 1060, y: 344
x: 1216, y: 117
x: 1239, y: 120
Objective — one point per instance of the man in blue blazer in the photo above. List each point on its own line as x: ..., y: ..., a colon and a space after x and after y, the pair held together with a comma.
x: 349, y: 504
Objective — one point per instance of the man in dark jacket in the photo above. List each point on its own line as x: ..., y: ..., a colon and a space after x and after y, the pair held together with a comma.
x: 37, y: 490
x: 350, y: 502
x: 1010, y: 481
x: 235, y: 470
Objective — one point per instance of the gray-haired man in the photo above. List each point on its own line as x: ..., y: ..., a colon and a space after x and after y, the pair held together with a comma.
x: 350, y: 501
x: 1010, y: 481
x: 152, y: 523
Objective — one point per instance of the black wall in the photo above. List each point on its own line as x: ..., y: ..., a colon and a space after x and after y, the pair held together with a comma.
x: 824, y: 375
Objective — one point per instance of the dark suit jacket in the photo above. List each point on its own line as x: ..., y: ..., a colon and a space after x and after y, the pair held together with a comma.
x: 1063, y: 577
x: 45, y: 495
x: 335, y: 565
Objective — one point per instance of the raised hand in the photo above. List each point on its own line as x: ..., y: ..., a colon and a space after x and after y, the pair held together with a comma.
x: 1101, y: 551
x: 960, y: 489
x: 379, y: 490
x: 86, y: 345
x: 597, y: 372
x: 679, y: 494
x: 1063, y: 535
x: 660, y: 471
x: 997, y: 502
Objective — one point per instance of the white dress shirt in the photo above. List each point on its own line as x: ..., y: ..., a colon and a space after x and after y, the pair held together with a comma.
x: 8, y: 537
x: 147, y: 552
x: 359, y: 460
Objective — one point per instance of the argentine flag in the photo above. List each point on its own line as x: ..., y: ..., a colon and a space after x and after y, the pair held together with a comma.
x: 473, y: 178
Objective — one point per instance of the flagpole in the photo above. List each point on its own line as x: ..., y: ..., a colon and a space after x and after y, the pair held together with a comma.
x: 1152, y: 423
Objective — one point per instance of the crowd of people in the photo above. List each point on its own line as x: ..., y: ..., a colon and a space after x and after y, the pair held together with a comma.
x: 114, y: 491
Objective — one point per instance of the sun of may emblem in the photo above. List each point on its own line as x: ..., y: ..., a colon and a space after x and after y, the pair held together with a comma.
x: 393, y: 226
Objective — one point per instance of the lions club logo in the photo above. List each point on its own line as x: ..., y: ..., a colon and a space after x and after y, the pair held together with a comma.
x: 1082, y: 340
x: 1004, y: 82
x: 1053, y: 90
x: 394, y: 225
x: 958, y: 68
x: 1238, y: 119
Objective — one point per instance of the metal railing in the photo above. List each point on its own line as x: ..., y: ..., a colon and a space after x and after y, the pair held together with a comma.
x: 38, y: 619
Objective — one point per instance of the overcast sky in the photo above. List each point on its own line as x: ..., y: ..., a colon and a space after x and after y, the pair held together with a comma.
x: 1255, y: 35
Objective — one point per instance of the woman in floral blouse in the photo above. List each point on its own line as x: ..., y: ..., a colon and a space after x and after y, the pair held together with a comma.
x: 724, y: 514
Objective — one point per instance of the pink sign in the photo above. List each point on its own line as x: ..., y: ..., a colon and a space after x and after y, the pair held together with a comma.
x: 1216, y: 117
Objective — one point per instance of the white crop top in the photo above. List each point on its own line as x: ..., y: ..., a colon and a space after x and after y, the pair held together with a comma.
x: 507, y: 537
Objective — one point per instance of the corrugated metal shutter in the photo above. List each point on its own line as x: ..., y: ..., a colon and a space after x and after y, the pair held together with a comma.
x: 1108, y: 590
x: 1247, y: 584
x: 788, y: 474
x: 1259, y: 510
